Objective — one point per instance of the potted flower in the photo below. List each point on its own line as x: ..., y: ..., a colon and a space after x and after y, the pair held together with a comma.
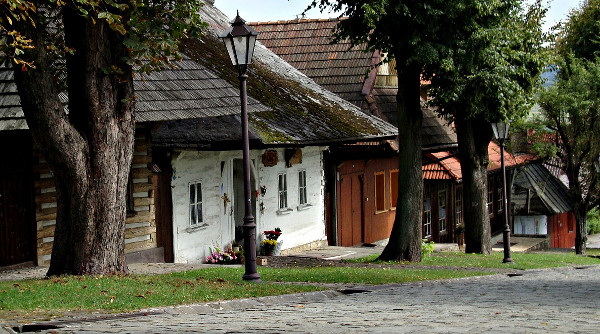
x: 270, y: 241
x: 217, y: 256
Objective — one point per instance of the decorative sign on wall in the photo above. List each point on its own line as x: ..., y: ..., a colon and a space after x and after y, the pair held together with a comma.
x: 293, y: 156
x: 269, y: 158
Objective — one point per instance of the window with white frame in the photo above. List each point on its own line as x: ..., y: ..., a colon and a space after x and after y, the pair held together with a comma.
x: 426, y: 218
x: 282, y: 191
x: 196, y: 218
x: 442, y: 209
x: 459, y: 206
x: 490, y: 198
x: 303, y: 200
x: 500, y: 197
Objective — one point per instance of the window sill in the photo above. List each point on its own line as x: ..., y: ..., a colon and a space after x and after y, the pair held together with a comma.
x: 192, y: 229
x: 285, y: 211
x: 303, y: 207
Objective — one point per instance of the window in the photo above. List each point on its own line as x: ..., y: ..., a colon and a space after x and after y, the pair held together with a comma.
x: 442, y: 209
x: 490, y: 198
x: 500, y: 197
x: 196, y: 218
x: 458, y: 202
x: 426, y: 218
x: 302, y: 187
x: 130, y: 205
x: 282, y: 191
x: 394, y: 187
x: 379, y: 191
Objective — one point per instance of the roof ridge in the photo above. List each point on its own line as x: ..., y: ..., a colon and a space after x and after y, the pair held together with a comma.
x: 295, y: 21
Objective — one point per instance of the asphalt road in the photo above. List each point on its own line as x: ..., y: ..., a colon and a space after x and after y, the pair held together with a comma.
x: 564, y: 300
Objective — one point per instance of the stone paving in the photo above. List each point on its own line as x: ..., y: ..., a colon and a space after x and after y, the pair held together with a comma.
x: 565, y: 300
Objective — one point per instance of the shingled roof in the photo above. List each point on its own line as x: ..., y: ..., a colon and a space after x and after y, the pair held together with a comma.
x: 446, y: 166
x: 343, y: 69
x: 550, y: 195
x: 285, y: 107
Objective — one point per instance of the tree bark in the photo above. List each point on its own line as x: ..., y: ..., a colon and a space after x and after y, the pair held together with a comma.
x: 405, y: 239
x: 474, y: 136
x: 580, y: 210
x: 90, y: 149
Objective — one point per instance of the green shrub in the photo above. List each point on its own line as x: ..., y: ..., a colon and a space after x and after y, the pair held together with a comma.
x: 593, y: 221
x: 426, y: 248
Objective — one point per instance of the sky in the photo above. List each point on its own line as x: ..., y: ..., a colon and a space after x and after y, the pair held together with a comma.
x: 273, y: 10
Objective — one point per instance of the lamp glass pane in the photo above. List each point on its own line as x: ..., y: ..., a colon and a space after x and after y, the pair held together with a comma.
x: 228, y: 41
x: 252, y: 42
x: 239, y: 42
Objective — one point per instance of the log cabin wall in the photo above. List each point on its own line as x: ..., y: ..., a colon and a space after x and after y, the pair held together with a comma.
x: 140, y: 233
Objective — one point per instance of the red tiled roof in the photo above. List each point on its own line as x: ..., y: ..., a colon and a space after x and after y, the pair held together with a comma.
x: 445, y: 166
x: 305, y: 44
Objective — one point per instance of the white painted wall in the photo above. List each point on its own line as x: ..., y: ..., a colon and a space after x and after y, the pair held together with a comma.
x: 299, y: 225
x: 533, y: 225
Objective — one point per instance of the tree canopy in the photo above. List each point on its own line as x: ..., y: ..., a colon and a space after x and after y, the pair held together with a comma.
x: 571, y: 110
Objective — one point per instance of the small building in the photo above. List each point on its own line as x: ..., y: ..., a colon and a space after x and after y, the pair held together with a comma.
x: 542, y: 206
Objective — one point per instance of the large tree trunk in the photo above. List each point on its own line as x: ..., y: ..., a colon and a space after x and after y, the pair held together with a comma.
x: 405, y: 238
x: 90, y: 149
x: 580, y: 211
x: 474, y: 136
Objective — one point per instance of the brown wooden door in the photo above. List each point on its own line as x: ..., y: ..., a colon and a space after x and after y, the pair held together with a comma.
x: 17, y: 216
x: 163, y: 207
x: 350, y: 225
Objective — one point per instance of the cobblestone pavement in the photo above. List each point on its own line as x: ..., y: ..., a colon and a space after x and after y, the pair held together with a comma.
x: 565, y: 300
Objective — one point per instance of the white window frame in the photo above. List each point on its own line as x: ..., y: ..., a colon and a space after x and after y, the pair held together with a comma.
x: 442, y: 221
x: 302, y: 190
x: 500, y: 190
x: 193, y: 203
x: 459, y: 206
x: 282, y: 194
x: 427, y: 222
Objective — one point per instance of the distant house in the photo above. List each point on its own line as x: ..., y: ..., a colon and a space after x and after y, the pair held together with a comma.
x: 361, y: 178
x: 443, y: 204
x: 186, y: 188
x: 542, y: 206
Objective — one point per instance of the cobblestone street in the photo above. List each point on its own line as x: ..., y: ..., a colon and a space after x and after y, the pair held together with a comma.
x: 565, y: 300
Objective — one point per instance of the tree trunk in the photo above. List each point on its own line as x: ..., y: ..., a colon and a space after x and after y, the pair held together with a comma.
x: 580, y: 212
x: 474, y: 136
x: 405, y: 238
x: 90, y: 149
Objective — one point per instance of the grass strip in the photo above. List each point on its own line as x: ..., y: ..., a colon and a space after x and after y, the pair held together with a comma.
x: 522, y: 261
x: 134, y: 292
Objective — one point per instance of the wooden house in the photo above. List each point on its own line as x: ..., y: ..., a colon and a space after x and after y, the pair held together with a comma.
x: 185, y: 184
x: 541, y: 206
x: 443, y: 219
x: 361, y: 178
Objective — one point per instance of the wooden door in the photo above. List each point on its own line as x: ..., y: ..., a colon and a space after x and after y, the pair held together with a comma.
x: 350, y: 213
x: 17, y: 213
x: 163, y: 208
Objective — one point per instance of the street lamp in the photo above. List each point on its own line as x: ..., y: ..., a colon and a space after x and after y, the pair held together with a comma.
x: 501, y: 133
x: 239, y: 40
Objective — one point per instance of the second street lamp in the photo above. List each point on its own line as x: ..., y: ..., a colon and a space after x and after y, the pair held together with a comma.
x: 239, y: 40
x: 501, y: 133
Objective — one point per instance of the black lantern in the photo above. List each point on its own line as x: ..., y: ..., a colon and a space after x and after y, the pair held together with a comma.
x: 500, y: 130
x: 239, y: 40
x: 501, y: 133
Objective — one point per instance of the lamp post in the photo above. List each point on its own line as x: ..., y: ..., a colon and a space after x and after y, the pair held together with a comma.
x: 501, y: 133
x: 239, y: 40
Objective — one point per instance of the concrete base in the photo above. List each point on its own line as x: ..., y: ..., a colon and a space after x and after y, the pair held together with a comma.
x: 152, y: 255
